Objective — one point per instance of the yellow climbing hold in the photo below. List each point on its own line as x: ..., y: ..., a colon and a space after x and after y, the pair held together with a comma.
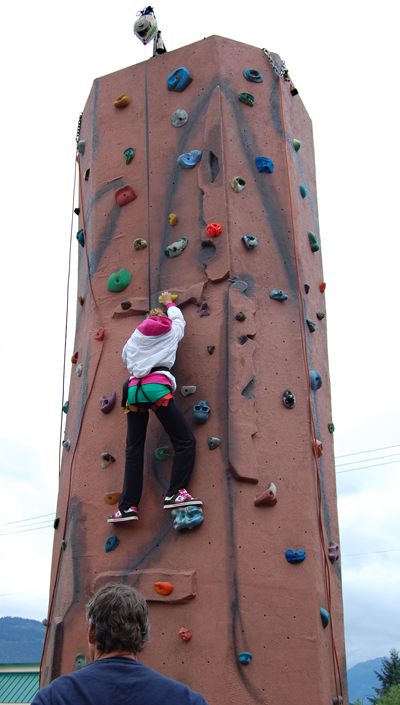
x: 173, y: 219
x: 173, y: 297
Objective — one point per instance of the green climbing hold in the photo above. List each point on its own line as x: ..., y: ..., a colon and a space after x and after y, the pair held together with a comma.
x: 129, y: 154
x: 296, y: 144
x: 246, y: 98
x: 303, y: 191
x: 331, y: 427
x: 161, y: 453
x: 313, y: 242
x: 118, y: 281
x: 56, y: 522
x: 80, y: 661
x: 63, y: 545
x: 66, y: 407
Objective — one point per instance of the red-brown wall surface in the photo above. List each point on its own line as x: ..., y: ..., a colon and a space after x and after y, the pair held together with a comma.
x: 233, y: 588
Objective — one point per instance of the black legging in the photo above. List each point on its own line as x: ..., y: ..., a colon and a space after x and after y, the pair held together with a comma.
x: 183, y: 443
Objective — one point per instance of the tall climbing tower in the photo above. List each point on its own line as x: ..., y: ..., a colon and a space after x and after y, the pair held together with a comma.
x: 214, y: 134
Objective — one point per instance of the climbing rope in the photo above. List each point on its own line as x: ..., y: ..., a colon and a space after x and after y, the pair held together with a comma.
x: 336, y: 667
x: 148, y: 178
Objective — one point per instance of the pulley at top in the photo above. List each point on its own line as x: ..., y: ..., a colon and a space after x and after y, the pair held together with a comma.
x: 145, y: 26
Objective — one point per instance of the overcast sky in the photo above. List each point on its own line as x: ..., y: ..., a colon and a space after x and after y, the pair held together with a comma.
x: 343, y: 60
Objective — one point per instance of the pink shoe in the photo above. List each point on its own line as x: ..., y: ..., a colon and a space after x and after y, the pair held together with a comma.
x: 123, y: 515
x: 181, y: 499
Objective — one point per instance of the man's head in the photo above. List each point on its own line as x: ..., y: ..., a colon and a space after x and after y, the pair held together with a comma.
x: 118, y: 620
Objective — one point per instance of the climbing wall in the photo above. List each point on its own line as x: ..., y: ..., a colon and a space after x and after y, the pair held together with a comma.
x: 250, y: 581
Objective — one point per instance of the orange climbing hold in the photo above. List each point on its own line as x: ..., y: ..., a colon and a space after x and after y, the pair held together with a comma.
x: 112, y: 497
x: 122, y: 100
x: 214, y: 229
x: 322, y: 287
x: 163, y: 588
x: 74, y: 358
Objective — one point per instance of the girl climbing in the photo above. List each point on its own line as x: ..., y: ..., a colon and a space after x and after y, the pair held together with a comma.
x: 149, y: 355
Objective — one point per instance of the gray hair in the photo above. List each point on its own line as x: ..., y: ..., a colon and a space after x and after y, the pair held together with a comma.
x: 120, y: 619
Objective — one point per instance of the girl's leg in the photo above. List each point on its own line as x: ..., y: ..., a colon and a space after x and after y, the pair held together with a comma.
x: 183, y: 442
x: 134, y: 458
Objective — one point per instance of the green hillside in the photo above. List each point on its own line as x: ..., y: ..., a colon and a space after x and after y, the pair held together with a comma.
x: 21, y: 640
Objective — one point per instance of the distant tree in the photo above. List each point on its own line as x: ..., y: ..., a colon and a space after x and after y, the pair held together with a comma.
x: 357, y: 702
x: 389, y: 676
x: 392, y: 697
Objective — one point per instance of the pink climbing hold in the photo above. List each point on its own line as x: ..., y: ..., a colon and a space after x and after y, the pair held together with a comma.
x: 124, y: 195
x: 185, y: 634
x: 107, y: 403
x: 318, y: 446
x: 267, y: 497
x: 333, y: 552
x: 99, y: 335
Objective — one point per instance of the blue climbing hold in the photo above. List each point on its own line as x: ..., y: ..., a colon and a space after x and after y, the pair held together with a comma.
x: 306, y: 288
x: 326, y: 617
x: 278, y: 295
x: 250, y: 241
x: 179, y: 79
x: 253, y: 75
x: 246, y: 98
x: 187, y: 517
x: 295, y: 556
x: 129, y: 153
x: 201, y: 412
x: 111, y: 544
x: 303, y: 191
x: 80, y: 237
x: 315, y: 380
x: 245, y: 657
x: 190, y: 159
x: 264, y: 165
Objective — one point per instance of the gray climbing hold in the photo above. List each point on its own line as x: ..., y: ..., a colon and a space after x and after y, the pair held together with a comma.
x: 312, y: 326
x: 179, y: 118
x: 240, y: 316
x: 210, y: 349
x: 81, y: 147
x: 66, y: 444
x: 63, y: 545
x: 176, y: 248
x: 45, y: 622
x: 79, y: 369
x: 213, y: 442
x: 238, y: 184
x: 126, y: 305
x: 320, y: 315
x: 188, y: 390
x: 106, y: 459
x: 139, y: 243
x: 289, y: 399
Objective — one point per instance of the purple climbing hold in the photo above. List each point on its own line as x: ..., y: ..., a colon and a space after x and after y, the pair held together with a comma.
x: 204, y: 309
x: 333, y: 552
x: 107, y: 403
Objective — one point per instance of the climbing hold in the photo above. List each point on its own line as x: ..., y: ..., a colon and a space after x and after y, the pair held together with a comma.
x: 335, y: 700
x: 331, y: 427
x: 185, y: 634
x: 267, y: 497
x: 293, y: 89
x: 80, y: 661
x: 313, y: 241
x: 289, y: 399
x: 210, y: 349
x: 201, y: 412
x: 124, y: 195
x: 179, y: 118
x: 187, y: 517
x: 176, y: 248
x: 63, y: 545
x: 125, y: 305
x: 296, y: 144
x: 318, y: 446
x: 107, y: 404
x: 81, y: 147
x: 189, y: 159
x: 45, y: 622
x: 66, y: 444
x: 315, y: 380
x: 74, y: 358
x: 129, y: 154
x: 106, y: 459
x: 311, y: 325
x: 86, y: 175
x: 65, y: 407
x: 122, y: 101
x: 239, y: 285
x: 326, y: 617
x: 139, y: 243
x: 253, y: 75
x: 111, y: 544
x: 112, y: 497
x: 245, y: 657
x: 80, y: 299
x: 188, y: 390
x: 173, y: 297
x: 99, y: 335
x: 118, y: 281
x: 278, y: 295
x: 161, y: 453
x: 173, y: 219
x: 320, y: 315
x: 295, y: 556
x: 179, y: 79
x: 214, y: 229
x: 250, y: 241
x: 264, y: 165
x: 56, y: 522
x: 163, y: 588
x: 78, y: 369
x: 303, y: 191
x: 333, y: 552
x: 213, y: 442
x: 238, y: 184
x: 322, y: 287
x: 77, y: 211
x: 246, y: 98
x: 204, y: 309
x: 240, y: 316
x: 80, y: 237
x: 306, y: 288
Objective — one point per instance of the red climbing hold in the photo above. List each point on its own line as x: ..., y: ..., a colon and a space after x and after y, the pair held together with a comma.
x: 214, y: 229
x: 163, y: 588
x: 124, y: 195
x: 74, y: 358
x: 99, y: 335
x: 267, y: 497
x: 322, y: 287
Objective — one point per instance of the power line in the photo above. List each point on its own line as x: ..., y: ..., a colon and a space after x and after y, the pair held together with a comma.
x: 371, y: 553
x: 365, y: 460
x: 30, y: 519
x: 360, y: 452
x: 22, y: 531
x: 367, y: 467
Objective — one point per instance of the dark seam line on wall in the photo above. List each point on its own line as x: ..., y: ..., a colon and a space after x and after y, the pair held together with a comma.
x: 96, y: 84
x: 109, y: 228
x: 275, y: 103
x: 235, y: 609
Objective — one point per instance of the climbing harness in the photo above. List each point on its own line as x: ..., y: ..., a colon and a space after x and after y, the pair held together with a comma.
x: 281, y: 72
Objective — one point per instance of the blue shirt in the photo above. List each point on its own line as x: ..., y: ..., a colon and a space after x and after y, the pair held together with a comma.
x: 109, y: 681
